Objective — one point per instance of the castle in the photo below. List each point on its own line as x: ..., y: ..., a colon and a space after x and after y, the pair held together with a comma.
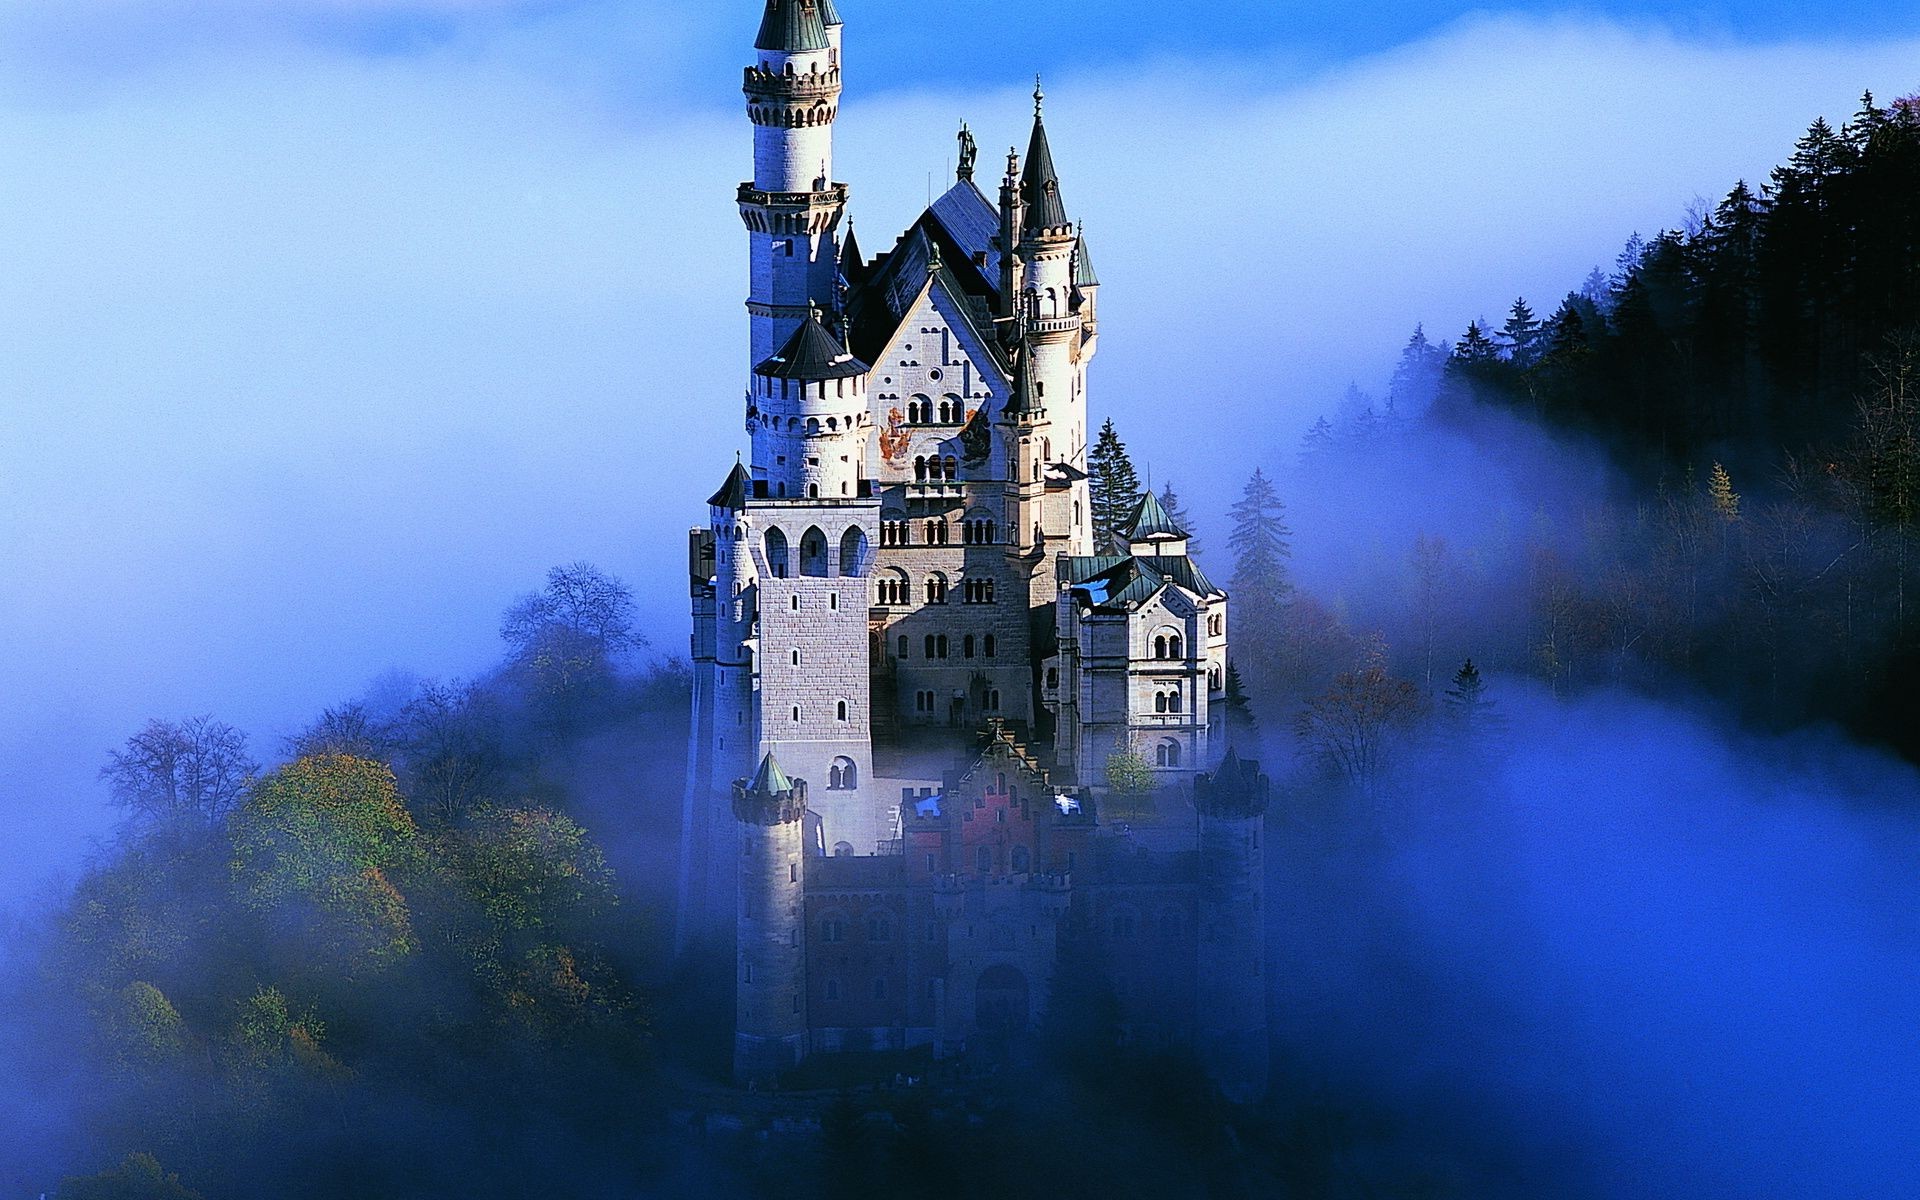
x: 915, y: 655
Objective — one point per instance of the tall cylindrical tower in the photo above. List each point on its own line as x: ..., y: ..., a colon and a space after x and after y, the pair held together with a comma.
x: 1055, y: 326
x: 792, y: 207
x: 1232, y: 993
x: 770, y: 1021
x: 808, y: 417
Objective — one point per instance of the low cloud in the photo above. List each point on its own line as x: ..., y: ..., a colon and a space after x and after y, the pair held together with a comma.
x: 315, y: 356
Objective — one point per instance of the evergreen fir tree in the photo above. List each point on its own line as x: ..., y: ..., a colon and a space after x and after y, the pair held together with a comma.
x: 1243, y: 728
x: 1170, y: 500
x: 1114, y: 485
x: 1261, y: 544
x: 1468, y: 708
x: 1476, y: 347
x: 1416, y: 379
x: 1318, y: 441
x: 1522, y: 333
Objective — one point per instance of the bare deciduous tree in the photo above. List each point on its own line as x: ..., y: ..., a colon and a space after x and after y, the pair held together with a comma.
x: 191, y: 772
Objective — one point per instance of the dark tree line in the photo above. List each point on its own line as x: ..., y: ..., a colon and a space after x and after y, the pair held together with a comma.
x: 1750, y: 331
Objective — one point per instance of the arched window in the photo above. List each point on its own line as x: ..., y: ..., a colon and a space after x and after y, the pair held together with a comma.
x: 842, y: 850
x: 1167, y: 754
x: 920, y: 469
x: 936, y: 588
x: 1159, y: 647
x: 1173, y: 700
x: 1022, y: 861
x: 903, y: 646
x: 953, y: 469
x: 813, y: 553
x: 1174, y: 647
x: 983, y: 859
x: 966, y: 646
x: 1160, y: 702
x: 930, y: 645
x: 879, y: 928
x: 813, y: 426
x: 993, y: 700
x: 840, y: 711
x: 853, y: 552
x: 992, y: 646
x: 843, y: 776
x: 775, y: 545
x: 940, y: 645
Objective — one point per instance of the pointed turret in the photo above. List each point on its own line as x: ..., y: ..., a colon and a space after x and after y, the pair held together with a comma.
x: 1040, y: 186
x: 1083, y: 273
x: 1151, y: 523
x: 732, y: 496
x: 770, y: 780
x: 794, y: 26
x: 853, y: 264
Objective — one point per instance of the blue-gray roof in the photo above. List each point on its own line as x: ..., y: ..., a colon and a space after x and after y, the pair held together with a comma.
x: 792, y: 26
x: 973, y: 223
x: 733, y: 494
x: 1083, y: 273
x: 1150, y: 522
x: 1124, y: 582
x: 1040, y: 186
x: 812, y: 353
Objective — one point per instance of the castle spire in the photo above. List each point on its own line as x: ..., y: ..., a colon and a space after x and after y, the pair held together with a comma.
x: 1040, y: 187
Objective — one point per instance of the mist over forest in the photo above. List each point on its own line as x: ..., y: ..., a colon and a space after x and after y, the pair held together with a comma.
x: 1580, y: 653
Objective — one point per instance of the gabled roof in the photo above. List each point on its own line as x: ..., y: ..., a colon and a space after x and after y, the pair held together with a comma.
x: 1040, y: 186
x: 812, y: 353
x: 792, y: 26
x: 771, y: 780
x: 1083, y: 273
x: 1124, y: 582
x: 972, y: 225
x: 1150, y: 522
x: 880, y: 304
x: 733, y: 494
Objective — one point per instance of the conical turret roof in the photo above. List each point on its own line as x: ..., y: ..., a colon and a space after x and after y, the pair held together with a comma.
x: 1040, y: 186
x: 829, y: 14
x: 1150, y: 522
x: 812, y: 353
x: 771, y: 780
x: 793, y: 26
x: 1083, y: 273
x: 733, y: 494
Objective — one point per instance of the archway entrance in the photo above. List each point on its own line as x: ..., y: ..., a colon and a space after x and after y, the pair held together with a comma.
x: 1000, y: 1000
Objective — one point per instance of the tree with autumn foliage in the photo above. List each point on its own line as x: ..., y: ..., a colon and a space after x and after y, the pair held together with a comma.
x: 1350, y: 728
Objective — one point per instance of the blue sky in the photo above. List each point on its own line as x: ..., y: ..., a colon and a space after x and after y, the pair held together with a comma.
x: 326, y: 326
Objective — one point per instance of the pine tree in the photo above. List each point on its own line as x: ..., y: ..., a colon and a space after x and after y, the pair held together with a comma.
x: 1726, y: 501
x: 1522, y: 333
x: 1261, y: 544
x: 1177, y: 512
x: 1115, y: 488
x: 1476, y: 347
x: 1416, y: 378
x: 1318, y: 441
x: 1468, y: 708
x: 1243, y: 728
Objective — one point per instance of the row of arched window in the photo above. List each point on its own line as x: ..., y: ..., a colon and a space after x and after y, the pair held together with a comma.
x: 1167, y: 701
x: 938, y: 646
x: 934, y: 469
x: 976, y: 531
x: 813, y: 553
x: 950, y: 410
x: 1168, y: 646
